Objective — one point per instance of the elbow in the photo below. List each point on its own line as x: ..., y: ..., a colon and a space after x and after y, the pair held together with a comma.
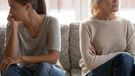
x: 54, y: 58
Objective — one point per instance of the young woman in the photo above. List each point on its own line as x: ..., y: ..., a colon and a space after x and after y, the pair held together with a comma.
x: 32, y: 39
x: 107, y: 42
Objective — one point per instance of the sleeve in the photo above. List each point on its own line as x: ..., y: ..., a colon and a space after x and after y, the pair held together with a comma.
x: 130, y: 39
x: 89, y: 61
x: 54, y: 36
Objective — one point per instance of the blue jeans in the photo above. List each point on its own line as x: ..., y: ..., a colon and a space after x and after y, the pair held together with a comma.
x: 120, y: 65
x: 42, y: 69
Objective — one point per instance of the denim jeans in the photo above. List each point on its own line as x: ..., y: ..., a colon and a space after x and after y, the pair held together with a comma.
x: 42, y: 69
x: 120, y: 65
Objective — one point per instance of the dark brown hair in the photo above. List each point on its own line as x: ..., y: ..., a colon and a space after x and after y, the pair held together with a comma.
x: 38, y: 5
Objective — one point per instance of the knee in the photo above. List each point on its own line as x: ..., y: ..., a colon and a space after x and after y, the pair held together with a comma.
x: 125, y: 58
x: 45, y: 66
x: 10, y: 71
x: 11, y: 68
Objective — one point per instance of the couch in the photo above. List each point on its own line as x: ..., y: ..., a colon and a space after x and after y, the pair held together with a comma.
x: 70, y: 52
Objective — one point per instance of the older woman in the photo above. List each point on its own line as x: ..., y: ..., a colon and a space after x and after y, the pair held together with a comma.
x: 107, y: 42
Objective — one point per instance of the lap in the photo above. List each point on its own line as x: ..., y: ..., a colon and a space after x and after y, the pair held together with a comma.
x: 16, y: 70
x: 40, y: 70
x: 46, y: 69
x: 119, y: 62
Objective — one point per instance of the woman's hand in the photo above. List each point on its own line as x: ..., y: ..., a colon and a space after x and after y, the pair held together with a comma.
x: 14, y: 23
x: 5, y: 63
x: 92, y: 50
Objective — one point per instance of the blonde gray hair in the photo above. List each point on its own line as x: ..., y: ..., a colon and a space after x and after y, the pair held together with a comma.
x: 95, y: 7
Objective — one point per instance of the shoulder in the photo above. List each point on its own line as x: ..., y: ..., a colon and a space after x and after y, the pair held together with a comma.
x: 128, y: 23
x: 51, y: 22
x: 86, y: 23
x: 124, y: 20
x: 50, y: 18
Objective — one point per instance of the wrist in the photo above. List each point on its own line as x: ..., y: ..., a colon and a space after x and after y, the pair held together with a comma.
x: 14, y: 29
x: 21, y: 58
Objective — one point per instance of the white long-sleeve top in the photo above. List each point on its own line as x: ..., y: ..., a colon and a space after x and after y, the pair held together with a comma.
x: 108, y: 37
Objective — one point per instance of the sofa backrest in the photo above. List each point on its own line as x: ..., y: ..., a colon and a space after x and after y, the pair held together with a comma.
x: 74, y: 49
x: 64, y: 56
x: 2, y: 39
x: 70, y: 51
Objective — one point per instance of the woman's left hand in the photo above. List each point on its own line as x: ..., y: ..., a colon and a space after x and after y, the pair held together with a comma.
x: 5, y: 63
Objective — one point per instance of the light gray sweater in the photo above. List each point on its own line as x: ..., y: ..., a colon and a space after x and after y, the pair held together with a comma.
x: 108, y: 37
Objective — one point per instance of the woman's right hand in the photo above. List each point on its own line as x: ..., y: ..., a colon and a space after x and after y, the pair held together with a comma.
x: 14, y: 23
x: 6, y: 62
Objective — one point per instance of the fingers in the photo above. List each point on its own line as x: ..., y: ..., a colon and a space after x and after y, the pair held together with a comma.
x: 12, y: 21
x: 92, y: 50
x: 10, y: 18
x: 93, y: 47
x: 5, y: 64
x: 8, y: 65
x: 9, y: 61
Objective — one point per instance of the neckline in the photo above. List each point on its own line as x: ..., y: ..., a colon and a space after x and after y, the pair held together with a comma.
x: 105, y: 21
x: 41, y: 29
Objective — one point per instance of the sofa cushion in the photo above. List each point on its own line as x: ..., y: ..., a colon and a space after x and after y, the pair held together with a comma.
x: 2, y: 39
x: 75, y: 72
x: 64, y: 56
x: 74, y: 45
x: 67, y: 73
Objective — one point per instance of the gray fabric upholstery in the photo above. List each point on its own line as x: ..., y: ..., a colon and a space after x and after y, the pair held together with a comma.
x: 67, y: 73
x: 74, y: 45
x: 2, y: 41
x: 75, y: 72
x: 64, y: 57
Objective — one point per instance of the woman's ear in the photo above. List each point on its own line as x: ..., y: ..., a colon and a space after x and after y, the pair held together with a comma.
x: 28, y: 6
